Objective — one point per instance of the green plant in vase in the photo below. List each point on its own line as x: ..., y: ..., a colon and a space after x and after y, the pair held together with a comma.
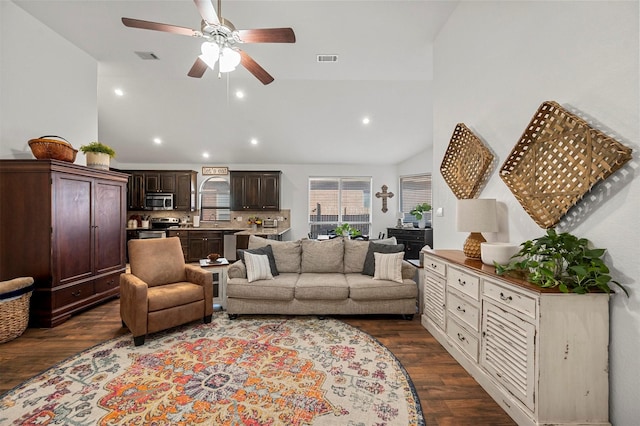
x: 98, y: 147
x: 419, y: 212
x: 98, y: 155
x: 561, y: 260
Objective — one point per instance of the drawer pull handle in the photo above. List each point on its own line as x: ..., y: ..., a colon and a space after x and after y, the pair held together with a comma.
x: 76, y: 293
x: 505, y: 298
x: 461, y: 309
x: 462, y: 283
x: 461, y: 338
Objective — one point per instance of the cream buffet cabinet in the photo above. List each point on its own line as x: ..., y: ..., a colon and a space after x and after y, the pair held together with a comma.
x: 541, y: 354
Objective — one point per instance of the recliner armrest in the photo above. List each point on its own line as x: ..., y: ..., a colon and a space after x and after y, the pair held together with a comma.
x: 133, y: 303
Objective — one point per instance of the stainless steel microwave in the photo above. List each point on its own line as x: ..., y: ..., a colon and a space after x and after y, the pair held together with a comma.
x: 158, y: 201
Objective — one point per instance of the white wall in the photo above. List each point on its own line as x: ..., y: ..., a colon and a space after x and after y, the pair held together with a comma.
x: 495, y: 63
x: 48, y: 86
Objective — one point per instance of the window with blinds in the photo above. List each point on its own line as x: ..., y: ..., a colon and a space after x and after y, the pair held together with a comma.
x: 415, y: 190
x: 215, y: 199
x: 337, y: 200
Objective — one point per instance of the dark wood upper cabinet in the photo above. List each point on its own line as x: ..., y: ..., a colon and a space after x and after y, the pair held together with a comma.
x: 258, y: 190
x: 181, y: 183
x: 160, y: 182
x: 185, y: 192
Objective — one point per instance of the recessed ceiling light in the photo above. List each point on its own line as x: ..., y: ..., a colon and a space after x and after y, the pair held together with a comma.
x: 205, y: 154
x: 254, y: 141
x: 119, y: 92
x: 157, y: 141
x: 366, y: 120
x: 239, y: 94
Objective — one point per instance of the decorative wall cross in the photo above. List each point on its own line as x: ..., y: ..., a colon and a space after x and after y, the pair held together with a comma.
x: 384, y: 195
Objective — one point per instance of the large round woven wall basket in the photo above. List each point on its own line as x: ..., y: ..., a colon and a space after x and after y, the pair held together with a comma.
x: 98, y: 160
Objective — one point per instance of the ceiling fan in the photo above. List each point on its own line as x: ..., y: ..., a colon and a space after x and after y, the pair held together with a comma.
x: 221, y: 40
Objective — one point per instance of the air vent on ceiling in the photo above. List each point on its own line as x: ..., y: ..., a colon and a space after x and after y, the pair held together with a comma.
x: 147, y: 55
x: 327, y: 58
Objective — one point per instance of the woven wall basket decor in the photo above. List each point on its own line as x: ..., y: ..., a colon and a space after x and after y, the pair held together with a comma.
x: 466, y: 164
x: 558, y: 159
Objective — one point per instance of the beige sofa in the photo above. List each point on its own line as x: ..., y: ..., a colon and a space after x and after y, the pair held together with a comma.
x: 322, y: 278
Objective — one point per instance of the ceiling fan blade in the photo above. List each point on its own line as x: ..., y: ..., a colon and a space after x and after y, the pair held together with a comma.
x: 267, y: 35
x: 254, y: 68
x: 148, y: 25
x: 208, y: 13
x: 198, y: 69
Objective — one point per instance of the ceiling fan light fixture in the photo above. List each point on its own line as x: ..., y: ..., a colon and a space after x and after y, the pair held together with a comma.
x: 210, y: 53
x: 229, y: 59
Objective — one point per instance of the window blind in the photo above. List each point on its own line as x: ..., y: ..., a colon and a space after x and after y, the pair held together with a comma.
x: 414, y: 190
x: 215, y: 199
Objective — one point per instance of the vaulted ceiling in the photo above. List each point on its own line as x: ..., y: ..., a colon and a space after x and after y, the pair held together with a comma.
x: 311, y: 114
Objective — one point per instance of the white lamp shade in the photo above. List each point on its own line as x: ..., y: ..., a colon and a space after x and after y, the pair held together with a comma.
x: 210, y: 53
x: 476, y: 215
x: 229, y: 59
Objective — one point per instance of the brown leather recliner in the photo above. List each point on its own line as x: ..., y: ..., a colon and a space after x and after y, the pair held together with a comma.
x: 162, y: 291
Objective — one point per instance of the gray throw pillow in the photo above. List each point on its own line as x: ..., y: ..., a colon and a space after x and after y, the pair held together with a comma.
x: 370, y: 262
x: 266, y: 250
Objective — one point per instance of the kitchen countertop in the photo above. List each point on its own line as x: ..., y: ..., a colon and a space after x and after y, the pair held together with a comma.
x: 263, y: 231
x: 237, y: 231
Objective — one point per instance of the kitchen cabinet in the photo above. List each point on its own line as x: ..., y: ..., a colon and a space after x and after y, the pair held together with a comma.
x: 181, y: 183
x: 185, y: 193
x: 135, y: 191
x: 541, y: 354
x: 414, y: 239
x: 256, y: 191
x: 160, y: 182
x: 197, y: 244
x: 65, y: 227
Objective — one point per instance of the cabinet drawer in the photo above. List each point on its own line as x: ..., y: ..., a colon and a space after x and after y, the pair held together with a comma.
x: 108, y: 283
x: 463, y: 338
x: 435, y: 266
x: 73, y: 294
x: 504, y: 296
x: 464, y: 282
x: 465, y: 311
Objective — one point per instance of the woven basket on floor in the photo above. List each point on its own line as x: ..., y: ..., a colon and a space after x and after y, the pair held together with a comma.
x: 14, y: 307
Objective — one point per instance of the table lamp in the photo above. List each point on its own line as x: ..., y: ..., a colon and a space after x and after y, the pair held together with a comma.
x: 476, y: 215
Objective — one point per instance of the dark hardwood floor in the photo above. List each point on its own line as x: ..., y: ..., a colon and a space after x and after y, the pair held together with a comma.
x: 449, y: 396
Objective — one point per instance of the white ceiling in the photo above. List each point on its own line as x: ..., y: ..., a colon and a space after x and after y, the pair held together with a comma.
x: 311, y: 114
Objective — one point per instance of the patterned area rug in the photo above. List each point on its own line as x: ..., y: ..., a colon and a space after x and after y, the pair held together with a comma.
x: 251, y: 371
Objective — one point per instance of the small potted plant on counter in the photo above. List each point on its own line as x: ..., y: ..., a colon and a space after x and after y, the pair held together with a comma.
x: 419, y: 212
x: 98, y: 155
x: 563, y: 261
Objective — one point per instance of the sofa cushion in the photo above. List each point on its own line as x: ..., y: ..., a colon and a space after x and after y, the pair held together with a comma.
x: 322, y: 256
x: 266, y: 250
x: 280, y: 288
x: 286, y: 253
x: 322, y: 286
x: 369, y: 262
x: 257, y: 267
x: 364, y: 287
x: 388, y: 266
x: 355, y: 252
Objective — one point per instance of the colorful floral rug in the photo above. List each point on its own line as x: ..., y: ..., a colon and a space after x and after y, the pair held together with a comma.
x: 249, y: 371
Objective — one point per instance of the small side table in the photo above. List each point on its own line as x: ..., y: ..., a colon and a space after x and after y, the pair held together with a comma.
x: 219, y: 269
